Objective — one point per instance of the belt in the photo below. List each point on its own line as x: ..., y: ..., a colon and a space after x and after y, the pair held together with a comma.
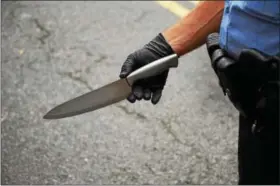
x: 244, y: 81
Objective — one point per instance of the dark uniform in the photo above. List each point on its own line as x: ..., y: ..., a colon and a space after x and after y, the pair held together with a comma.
x: 256, y: 24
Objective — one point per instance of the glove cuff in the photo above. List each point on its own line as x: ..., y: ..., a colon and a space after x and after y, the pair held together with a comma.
x: 160, y: 46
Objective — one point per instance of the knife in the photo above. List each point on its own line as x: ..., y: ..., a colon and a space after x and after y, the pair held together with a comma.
x: 110, y: 93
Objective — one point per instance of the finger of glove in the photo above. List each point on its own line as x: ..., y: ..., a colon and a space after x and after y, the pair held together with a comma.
x: 131, y: 98
x: 156, y: 96
x: 138, y: 92
x: 158, y: 81
x: 147, y: 94
x: 127, y: 67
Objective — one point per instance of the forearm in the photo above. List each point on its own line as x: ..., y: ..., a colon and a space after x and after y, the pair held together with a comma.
x: 191, y: 31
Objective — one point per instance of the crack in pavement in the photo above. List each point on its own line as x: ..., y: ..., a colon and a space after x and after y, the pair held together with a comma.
x: 84, y: 49
x: 75, y: 78
x: 150, y: 169
x: 12, y: 13
x: 43, y: 29
x: 141, y: 16
x: 29, y: 65
x: 132, y: 176
x: 19, y: 27
x: 101, y: 58
x: 169, y: 130
x: 4, y: 117
x: 184, y: 182
x: 138, y: 115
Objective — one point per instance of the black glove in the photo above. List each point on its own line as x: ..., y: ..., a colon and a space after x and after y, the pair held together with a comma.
x: 149, y: 88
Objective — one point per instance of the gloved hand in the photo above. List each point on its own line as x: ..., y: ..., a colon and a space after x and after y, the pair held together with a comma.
x: 150, y: 88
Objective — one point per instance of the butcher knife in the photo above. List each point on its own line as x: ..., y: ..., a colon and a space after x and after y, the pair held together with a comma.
x: 111, y: 93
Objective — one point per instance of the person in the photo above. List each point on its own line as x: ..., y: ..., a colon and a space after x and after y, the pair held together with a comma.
x: 241, y: 25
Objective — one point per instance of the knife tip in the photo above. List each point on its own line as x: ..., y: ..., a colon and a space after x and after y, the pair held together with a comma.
x: 51, y: 115
x: 46, y: 116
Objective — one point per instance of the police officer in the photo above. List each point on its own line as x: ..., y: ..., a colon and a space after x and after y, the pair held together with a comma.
x: 241, y: 25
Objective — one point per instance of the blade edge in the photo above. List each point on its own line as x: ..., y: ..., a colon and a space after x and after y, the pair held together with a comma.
x: 119, y: 91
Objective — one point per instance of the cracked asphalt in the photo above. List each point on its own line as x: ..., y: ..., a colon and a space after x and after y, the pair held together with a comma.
x: 53, y: 51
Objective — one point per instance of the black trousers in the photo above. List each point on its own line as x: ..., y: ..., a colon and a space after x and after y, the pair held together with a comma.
x: 258, y: 152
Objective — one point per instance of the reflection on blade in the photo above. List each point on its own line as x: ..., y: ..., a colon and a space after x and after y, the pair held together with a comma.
x: 104, y: 96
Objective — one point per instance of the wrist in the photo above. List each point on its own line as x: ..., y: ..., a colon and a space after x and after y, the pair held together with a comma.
x: 159, y: 46
x: 174, y: 42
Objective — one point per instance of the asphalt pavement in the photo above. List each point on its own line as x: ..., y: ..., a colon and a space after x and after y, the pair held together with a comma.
x: 56, y: 50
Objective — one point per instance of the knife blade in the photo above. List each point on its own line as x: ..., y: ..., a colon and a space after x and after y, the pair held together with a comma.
x: 111, y: 93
